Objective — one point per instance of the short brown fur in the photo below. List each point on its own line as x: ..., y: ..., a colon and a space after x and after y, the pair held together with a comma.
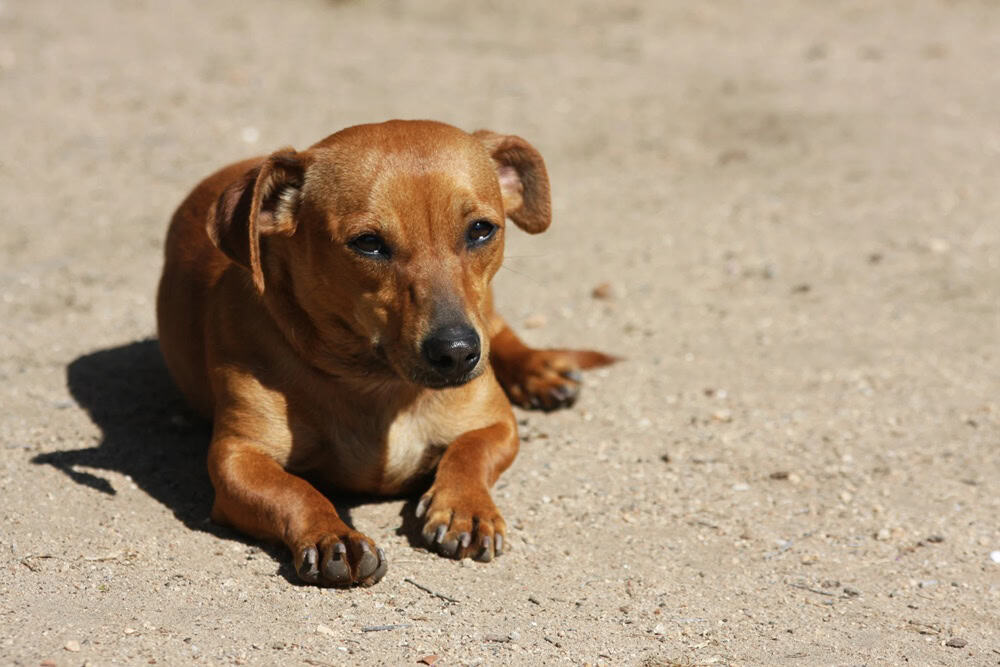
x: 310, y: 353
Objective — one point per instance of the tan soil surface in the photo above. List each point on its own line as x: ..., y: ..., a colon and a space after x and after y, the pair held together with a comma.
x: 795, y: 205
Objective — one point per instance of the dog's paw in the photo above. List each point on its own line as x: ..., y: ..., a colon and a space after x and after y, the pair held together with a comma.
x: 347, y: 559
x: 462, y: 525
x: 549, y: 379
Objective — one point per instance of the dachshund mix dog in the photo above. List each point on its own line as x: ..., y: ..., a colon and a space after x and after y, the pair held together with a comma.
x: 330, y: 310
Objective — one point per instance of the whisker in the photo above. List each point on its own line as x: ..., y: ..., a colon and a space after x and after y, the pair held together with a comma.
x: 521, y: 273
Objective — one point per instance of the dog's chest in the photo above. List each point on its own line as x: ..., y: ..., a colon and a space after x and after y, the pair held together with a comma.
x: 386, y: 458
x: 413, y: 447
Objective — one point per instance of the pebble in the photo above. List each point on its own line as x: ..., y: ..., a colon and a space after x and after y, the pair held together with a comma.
x: 883, y: 534
x: 956, y: 642
x: 659, y: 629
x: 325, y: 630
x: 72, y: 646
x: 935, y: 539
x: 535, y: 322
x: 851, y: 592
x: 995, y: 556
x: 602, y: 291
x: 724, y: 416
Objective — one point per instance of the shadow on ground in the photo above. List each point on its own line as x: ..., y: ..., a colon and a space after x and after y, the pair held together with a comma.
x: 148, y: 432
x: 151, y: 435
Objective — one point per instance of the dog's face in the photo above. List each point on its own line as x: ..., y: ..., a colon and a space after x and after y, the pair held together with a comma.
x: 385, y: 237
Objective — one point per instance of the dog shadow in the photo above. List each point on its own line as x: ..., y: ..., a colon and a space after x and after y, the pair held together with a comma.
x: 150, y: 435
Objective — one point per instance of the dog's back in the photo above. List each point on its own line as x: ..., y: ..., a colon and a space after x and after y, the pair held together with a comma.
x: 192, y: 267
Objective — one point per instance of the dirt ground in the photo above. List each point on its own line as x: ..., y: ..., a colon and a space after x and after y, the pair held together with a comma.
x: 795, y: 205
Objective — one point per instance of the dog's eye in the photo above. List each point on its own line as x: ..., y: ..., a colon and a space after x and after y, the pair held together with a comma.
x: 371, y: 245
x: 479, y: 232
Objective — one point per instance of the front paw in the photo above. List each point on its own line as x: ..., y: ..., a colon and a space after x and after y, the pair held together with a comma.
x: 549, y: 379
x: 462, y: 525
x: 339, y: 557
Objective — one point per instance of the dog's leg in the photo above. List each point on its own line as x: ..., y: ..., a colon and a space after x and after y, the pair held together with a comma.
x: 254, y: 494
x: 540, y: 379
x: 461, y: 519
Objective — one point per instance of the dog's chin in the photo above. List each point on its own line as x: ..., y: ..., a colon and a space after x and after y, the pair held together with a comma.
x: 433, y: 380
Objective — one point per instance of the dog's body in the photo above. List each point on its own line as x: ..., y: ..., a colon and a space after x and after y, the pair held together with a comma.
x: 330, y: 310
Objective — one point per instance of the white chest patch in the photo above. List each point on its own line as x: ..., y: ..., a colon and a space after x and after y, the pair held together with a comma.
x: 412, y: 446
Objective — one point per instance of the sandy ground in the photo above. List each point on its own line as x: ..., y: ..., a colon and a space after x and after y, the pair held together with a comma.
x: 795, y: 205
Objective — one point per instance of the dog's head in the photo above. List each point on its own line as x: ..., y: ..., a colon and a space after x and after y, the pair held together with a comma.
x: 381, y: 241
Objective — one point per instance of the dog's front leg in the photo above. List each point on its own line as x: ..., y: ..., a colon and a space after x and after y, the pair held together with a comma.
x: 541, y: 379
x: 461, y: 519
x: 254, y: 494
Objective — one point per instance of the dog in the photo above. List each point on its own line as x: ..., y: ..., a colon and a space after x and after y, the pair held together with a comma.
x: 330, y: 311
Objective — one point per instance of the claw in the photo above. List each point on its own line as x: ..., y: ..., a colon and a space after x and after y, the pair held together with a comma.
x: 309, y: 569
x: 368, y: 563
x: 337, y: 571
x: 498, y: 540
x: 422, y: 506
x: 485, y: 550
x: 449, y: 547
x: 439, y: 533
x: 573, y: 374
x: 383, y: 567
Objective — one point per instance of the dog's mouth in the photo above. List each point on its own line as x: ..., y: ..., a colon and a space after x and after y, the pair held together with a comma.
x: 425, y: 376
x: 432, y: 380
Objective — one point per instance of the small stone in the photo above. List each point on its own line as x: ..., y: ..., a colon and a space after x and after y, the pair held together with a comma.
x: 995, y: 556
x: 429, y: 659
x: 324, y: 630
x: 724, y: 416
x: 250, y: 135
x: 779, y: 474
x: 659, y: 629
x: 851, y: 592
x: 938, y: 246
x: 130, y: 631
x: 72, y: 646
x: 603, y: 291
x: 936, y: 539
x: 741, y: 486
x: 535, y: 322
x: 883, y: 534
x: 956, y: 642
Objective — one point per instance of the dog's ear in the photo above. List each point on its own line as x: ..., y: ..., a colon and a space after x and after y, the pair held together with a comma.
x: 524, y: 183
x: 263, y: 202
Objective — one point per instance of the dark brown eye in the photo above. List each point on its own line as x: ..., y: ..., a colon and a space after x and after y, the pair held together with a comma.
x: 479, y: 232
x: 371, y: 245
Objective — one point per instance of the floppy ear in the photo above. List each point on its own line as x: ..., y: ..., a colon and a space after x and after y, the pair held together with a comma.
x: 261, y: 203
x: 524, y: 183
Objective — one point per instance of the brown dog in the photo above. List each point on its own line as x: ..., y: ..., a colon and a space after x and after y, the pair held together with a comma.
x: 331, y: 311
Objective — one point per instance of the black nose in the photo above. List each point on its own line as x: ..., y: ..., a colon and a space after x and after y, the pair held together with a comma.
x: 452, y: 351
